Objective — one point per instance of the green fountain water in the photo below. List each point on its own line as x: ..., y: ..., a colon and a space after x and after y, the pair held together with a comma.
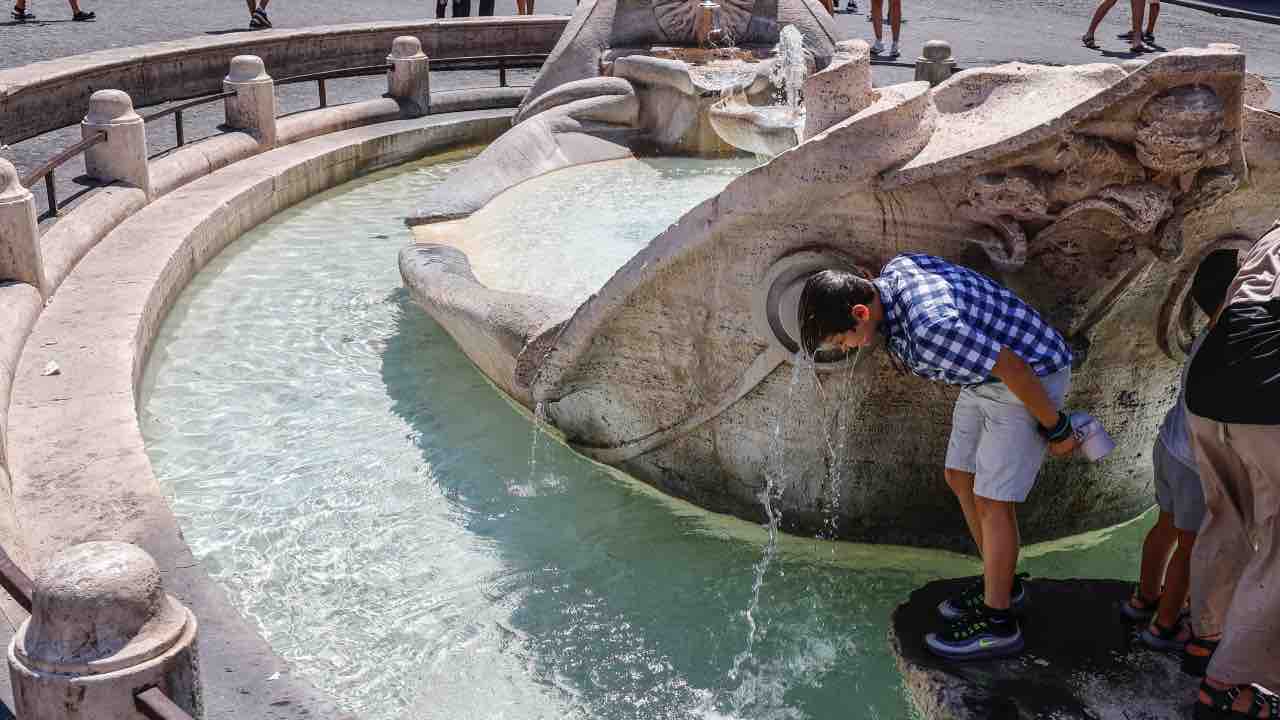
x: 369, y: 500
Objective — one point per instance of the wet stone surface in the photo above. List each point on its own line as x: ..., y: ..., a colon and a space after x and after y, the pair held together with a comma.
x: 1082, y: 660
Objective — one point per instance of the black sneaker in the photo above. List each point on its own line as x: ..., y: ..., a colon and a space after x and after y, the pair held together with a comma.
x: 967, y: 602
x: 980, y: 638
x: 21, y: 15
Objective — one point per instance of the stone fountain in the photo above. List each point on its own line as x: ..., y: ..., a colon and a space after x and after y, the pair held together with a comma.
x: 1093, y: 191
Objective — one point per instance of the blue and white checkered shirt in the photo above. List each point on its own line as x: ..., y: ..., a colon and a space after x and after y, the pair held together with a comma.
x: 948, y: 323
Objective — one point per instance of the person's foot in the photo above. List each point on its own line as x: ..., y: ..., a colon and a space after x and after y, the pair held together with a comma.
x: 893, y: 50
x: 1219, y: 701
x: 1089, y: 42
x: 1149, y: 38
x: 1166, y: 639
x: 1139, y: 609
x: 259, y: 20
x: 877, y: 49
x: 981, y: 638
x: 82, y: 16
x: 21, y: 14
x: 969, y: 602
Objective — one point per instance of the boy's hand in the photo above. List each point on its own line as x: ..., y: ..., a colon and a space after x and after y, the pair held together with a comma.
x: 1064, y: 447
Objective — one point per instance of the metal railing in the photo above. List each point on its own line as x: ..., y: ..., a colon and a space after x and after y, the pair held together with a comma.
x: 321, y: 77
x: 14, y: 581
x: 176, y: 112
x: 154, y: 704
x: 46, y: 171
x: 485, y: 62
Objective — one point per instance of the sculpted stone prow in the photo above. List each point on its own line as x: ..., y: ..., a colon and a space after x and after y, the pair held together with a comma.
x: 1090, y: 191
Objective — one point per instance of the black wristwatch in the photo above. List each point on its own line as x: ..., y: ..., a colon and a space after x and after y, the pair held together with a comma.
x: 1060, y: 431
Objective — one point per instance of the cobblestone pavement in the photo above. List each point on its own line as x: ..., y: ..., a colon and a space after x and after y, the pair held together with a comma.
x: 981, y: 32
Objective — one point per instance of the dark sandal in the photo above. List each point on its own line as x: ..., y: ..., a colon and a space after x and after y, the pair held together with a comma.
x: 1143, y: 611
x: 83, y: 16
x: 1220, y: 702
x: 21, y: 15
x: 1163, y: 639
x: 1195, y: 664
x: 1089, y: 42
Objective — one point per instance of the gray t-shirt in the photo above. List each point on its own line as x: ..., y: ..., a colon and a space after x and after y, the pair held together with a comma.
x: 1174, y: 433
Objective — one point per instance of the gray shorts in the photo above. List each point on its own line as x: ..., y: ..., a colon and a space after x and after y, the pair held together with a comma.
x: 996, y: 438
x: 1178, y: 490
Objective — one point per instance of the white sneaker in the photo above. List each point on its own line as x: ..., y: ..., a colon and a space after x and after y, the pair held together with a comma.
x: 893, y: 50
x: 877, y: 48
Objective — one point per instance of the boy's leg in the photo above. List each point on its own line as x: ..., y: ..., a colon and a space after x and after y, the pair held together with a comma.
x: 961, y: 484
x: 1159, y: 542
x: 895, y: 19
x: 1177, y: 580
x: 1000, y: 544
x: 1153, y: 12
x: 967, y: 422
x: 877, y: 17
x: 252, y: 5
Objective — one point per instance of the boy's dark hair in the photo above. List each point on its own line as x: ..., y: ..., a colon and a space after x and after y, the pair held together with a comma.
x: 1213, y: 279
x: 825, y: 303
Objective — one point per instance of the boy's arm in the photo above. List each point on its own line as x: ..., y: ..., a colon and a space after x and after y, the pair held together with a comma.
x: 1022, y: 381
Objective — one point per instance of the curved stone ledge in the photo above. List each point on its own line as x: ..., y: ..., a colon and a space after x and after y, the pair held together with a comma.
x: 79, y: 466
x: 44, y: 96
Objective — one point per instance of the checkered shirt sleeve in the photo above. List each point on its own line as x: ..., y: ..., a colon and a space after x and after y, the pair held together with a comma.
x: 949, y: 323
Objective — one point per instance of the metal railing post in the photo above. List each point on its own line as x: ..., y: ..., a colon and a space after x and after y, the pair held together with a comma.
x: 502, y: 72
x: 123, y: 155
x: 177, y: 127
x: 409, y: 79
x: 20, y: 257
x: 253, y: 107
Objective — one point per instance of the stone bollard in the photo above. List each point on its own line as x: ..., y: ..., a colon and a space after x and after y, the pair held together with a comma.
x: 102, y: 629
x: 409, y: 78
x: 123, y: 156
x: 253, y: 108
x: 19, y: 239
x: 936, y: 63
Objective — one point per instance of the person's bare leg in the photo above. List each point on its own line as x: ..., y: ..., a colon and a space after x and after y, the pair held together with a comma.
x: 262, y: 5
x: 75, y: 7
x: 895, y: 19
x: 1000, y: 543
x: 252, y: 5
x: 961, y: 483
x: 1153, y: 12
x: 1177, y: 580
x: 1156, y: 547
x: 1104, y: 7
x: 1138, y: 8
x: 877, y: 17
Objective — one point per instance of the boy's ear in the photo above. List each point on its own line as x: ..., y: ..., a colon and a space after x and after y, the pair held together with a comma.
x: 860, y: 312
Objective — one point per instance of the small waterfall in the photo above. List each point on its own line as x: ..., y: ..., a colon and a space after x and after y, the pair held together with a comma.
x: 539, y: 417
x: 791, y: 68
x: 775, y: 485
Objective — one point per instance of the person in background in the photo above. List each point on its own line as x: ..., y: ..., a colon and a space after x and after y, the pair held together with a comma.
x: 442, y: 9
x: 486, y: 8
x: 1134, y: 36
x: 1233, y: 403
x: 1148, y: 37
x: 20, y: 13
x: 258, y: 19
x: 895, y: 25
x: 1164, y: 578
x: 461, y: 8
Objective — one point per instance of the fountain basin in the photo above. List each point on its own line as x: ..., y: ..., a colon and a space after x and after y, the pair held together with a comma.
x: 764, y: 130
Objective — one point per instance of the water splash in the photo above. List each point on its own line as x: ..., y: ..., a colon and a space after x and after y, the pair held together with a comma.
x: 775, y: 485
x: 539, y: 417
x: 791, y: 67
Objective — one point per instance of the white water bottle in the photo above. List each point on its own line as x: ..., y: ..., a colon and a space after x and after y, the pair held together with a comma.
x: 1094, y: 440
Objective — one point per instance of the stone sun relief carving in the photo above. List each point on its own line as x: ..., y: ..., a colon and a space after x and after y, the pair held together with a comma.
x: 1089, y: 199
x: 677, y: 17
